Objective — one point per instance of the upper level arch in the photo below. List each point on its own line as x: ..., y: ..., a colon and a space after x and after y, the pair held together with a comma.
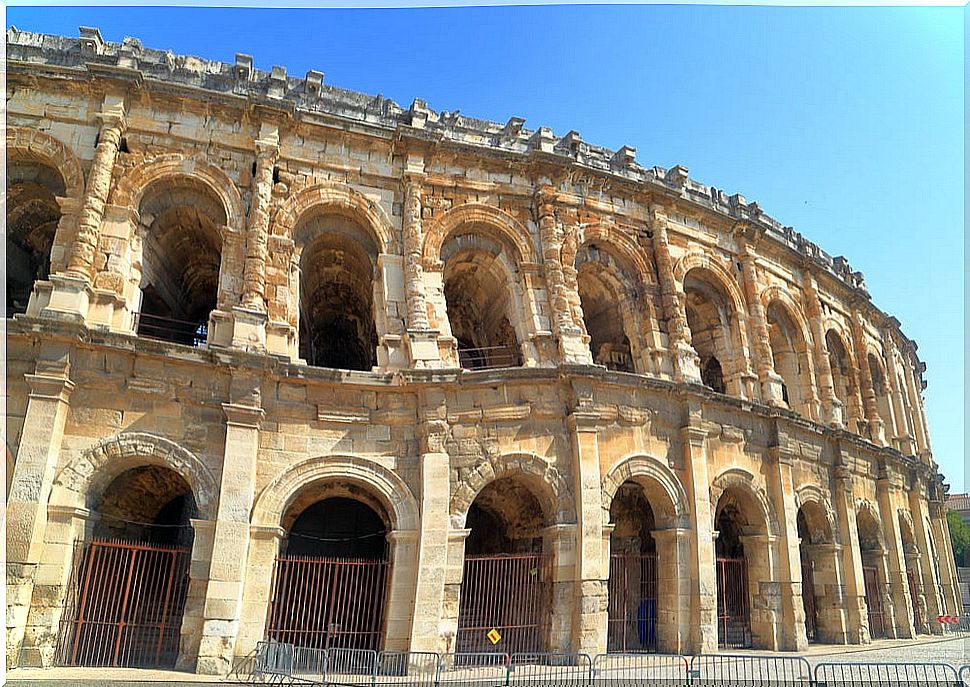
x: 180, y: 170
x: 331, y: 198
x: 661, y: 486
x: 24, y: 144
x: 477, y: 217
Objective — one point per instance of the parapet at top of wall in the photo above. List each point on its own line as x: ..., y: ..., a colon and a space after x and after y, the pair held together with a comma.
x: 131, y: 60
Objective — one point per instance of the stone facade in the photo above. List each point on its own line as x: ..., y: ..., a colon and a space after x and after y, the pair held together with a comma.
x: 626, y: 326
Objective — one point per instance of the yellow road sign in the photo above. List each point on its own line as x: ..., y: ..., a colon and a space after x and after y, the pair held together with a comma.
x: 493, y: 636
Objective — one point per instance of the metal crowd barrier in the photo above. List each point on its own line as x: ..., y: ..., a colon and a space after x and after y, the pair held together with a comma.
x: 279, y: 663
x: 744, y: 669
x: 561, y: 670
x: 884, y: 674
x: 635, y: 669
x: 473, y: 668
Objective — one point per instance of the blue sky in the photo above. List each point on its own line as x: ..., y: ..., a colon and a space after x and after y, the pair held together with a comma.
x: 846, y: 123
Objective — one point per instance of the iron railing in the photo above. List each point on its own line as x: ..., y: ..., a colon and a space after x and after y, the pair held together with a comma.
x: 733, y: 611
x: 884, y: 674
x: 632, y: 608
x: 172, y: 330
x: 740, y: 669
x: 489, y: 357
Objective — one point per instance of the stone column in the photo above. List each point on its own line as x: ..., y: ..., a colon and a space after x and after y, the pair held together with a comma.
x: 832, y: 411
x: 913, y: 565
x: 33, y: 476
x: 572, y: 348
x: 674, y: 576
x: 230, y: 548
x: 771, y: 381
x: 249, y: 317
x: 402, y: 597
x: 66, y: 525
x: 948, y: 574
x: 916, y: 409
x: 264, y: 547
x: 429, y: 597
x: 592, y: 568
x: 827, y: 576
x: 887, y: 486
x: 566, y: 606
x: 935, y: 604
x: 767, y: 615
x: 787, y: 571
x: 703, y: 585
x: 454, y: 572
x: 82, y: 262
x: 62, y: 296
x: 876, y: 425
x: 855, y: 590
x: 686, y: 363
x: 422, y: 339
x: 903, y: 436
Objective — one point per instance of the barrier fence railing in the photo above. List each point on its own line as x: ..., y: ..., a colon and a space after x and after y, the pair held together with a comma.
x: 720, y: 669
x: 633, y: 669
x: 279, y: 663
x: 884, y: 674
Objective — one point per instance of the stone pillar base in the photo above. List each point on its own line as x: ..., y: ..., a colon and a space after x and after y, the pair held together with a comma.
x: 243, y: 328
x: 109, y: 310
x: 687, y: 364
x: 771, y: 390
x: 62, y: 297
x: 281, y: 340
x: 422, y: 349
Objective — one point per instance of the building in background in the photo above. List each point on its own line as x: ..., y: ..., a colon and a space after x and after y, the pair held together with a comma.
x: 289, y: 361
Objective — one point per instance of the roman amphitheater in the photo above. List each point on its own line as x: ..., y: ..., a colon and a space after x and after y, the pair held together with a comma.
x: 288, y: 361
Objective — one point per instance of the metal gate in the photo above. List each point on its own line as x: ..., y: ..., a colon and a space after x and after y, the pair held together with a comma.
x: 323, y: 603
x: 914, y: 601
x: 877, y: 629
x: 632, y: 621
x: 808, y: 599
x: 124, y: 605
x: 733, y: 614
x: 507, y: 593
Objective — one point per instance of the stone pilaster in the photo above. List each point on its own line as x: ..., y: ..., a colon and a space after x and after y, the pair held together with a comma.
x: 427, y: 633
x: 592, y: 567
x: 787, y: 571
x: 422, y: 340
x: 230, y: 547
x: 572, y: 348
x: 33, y: 476
x: 703, y: 592
x: 674, y: 579
x: 876, y: 425
x: 887, y: 488
x: 903, y: 437
x: 929, y: 561
x: 952, y: 601
x: 766, y: 592
x: 827, y: 575
x: 833, y: 412
x: 686, y: 363
x: 82, y: 260
x: 250, y: 316
x: 771, y: 381
x: 855, y: 590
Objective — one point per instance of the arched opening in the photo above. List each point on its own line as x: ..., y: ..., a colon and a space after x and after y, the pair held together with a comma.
x: 607, y: 295
x: 632, y: 609
x: 821, y: 588
x: 337, y: 267
x: 180, y: 261
x: 790, y: 358
x: 506, y: 581
x: 32, y: 218
x: 843, y: 377
x: 873, y: 572
x: 330, y: 581
x: 880, y: 388
x: 130, y: 581
x: 709, y: 319
x: 914, y: 578
x: 733, y: 602
x: 478, y: 296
